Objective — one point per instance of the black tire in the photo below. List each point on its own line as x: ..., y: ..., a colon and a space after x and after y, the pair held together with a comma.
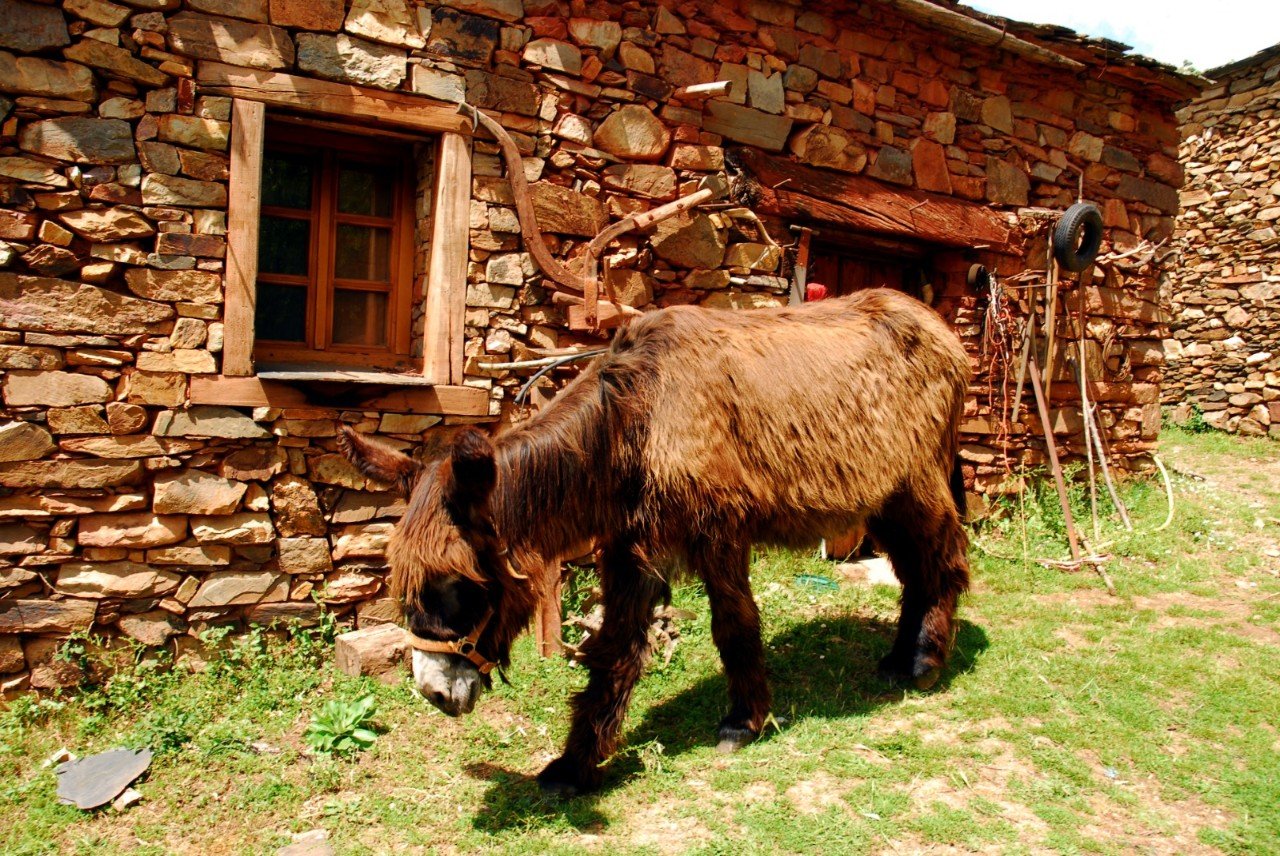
x: 1078, y: 237
x: 978, y: 276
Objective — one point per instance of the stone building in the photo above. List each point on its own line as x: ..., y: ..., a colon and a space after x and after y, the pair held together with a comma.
x: 1224, y: 354
x: 229, y: 224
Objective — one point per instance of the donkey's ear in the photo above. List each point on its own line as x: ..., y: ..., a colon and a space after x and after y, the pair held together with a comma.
x: 475, y: 471
x: 379, y: 462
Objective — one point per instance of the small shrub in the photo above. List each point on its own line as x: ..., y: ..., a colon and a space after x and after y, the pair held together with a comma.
x: 340, y: 728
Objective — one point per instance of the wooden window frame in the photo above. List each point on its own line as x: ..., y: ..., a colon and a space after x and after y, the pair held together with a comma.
x: 321, y: 284
x: 251, y: 92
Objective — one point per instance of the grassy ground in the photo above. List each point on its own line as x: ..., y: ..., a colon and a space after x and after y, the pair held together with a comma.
x: 1070, y: 721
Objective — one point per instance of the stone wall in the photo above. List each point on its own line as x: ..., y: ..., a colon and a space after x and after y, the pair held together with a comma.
x: 127, y: 510
x: 1224, y: 355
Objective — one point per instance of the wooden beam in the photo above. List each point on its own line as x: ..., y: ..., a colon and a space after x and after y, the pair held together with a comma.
x: 247, y: 132
x: 865, y: 204
x: 447, y: 268
x: 979, y: 32
x: 331, y: 99
x: 254, y: 392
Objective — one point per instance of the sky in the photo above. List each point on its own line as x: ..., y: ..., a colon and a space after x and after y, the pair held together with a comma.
x: 1208, y: 33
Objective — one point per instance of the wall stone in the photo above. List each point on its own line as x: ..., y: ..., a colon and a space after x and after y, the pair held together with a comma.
x: 1224, y: 352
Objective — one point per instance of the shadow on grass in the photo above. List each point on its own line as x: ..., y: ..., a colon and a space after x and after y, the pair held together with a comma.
x: 820, y: 669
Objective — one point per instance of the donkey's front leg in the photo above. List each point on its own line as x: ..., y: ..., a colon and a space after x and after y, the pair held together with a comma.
x: 614, y: 657
x: 735, y: 628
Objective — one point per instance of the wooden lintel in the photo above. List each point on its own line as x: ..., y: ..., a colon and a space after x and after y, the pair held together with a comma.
x: 326, y: 98
x: 865, y: 204
x: 256, y: 392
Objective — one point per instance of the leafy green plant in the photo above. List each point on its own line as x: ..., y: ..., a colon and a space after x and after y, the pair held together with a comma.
x: 340, y: 728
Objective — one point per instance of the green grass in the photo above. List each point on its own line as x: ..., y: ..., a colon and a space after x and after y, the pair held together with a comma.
x: 1069, y: 721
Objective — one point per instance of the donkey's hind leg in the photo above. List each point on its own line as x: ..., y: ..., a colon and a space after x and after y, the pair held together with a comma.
x: 927, y: 544
x: 614, y: 658
x: 735, y: 628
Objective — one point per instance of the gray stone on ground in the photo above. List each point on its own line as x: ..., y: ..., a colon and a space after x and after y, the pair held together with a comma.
x: 95, y: 781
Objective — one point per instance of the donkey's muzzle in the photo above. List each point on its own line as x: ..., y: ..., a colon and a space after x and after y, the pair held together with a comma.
x: 448, y: 681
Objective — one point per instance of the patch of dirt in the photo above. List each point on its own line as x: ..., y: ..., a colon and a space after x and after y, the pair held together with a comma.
x: 816, y: 795
x: 1230, y: 612
x: 989, y: 781
x: 656, y: 827
x: 1181, y: 819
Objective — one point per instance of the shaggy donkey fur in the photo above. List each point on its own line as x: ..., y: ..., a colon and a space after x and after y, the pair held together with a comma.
x: 697, y: 434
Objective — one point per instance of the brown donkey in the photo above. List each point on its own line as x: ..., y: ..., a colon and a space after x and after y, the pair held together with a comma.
x: 697, y: 434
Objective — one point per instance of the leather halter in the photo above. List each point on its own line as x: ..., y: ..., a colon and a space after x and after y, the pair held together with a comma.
x: 464, y: 647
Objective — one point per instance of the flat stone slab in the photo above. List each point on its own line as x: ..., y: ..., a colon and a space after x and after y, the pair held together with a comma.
x: 95, y: 781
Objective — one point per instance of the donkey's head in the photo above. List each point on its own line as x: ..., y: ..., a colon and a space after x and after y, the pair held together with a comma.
x: 463, y: 596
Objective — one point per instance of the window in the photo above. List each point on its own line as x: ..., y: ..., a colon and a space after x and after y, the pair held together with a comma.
x: 335, y: 249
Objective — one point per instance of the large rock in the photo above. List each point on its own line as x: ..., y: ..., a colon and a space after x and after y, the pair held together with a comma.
x: 1162, y: 197
x: 830, y: 147
x: 23, y: 441
x: 69, y: 474
x: 57, y: 306
x: 192, y: 286
x: 495, y: 92
x: 135, y: 446
x: 203, y: 556
x: 307, y: 14
x: 633, y: 133
x: 151, y: 629
x: 29, y: 75
x: 22, y: 357
x: 131, y: 530
x: 367, y: 541
x: 240, y: 529
x: 296, y: 508
x: 115, y: 61
x: 126, y: 580
x: 80, y: 139
x: 649, y: 180
x: 17, y: 540
x: 235, y: 42
x: 11, y: 658
x: 553, y: 54
x: 209, y: 421
x: 197, y: 492
x: 304, y: 555
x: 159, y: 189
x: 257, y: 463
x: 195, y: 132
x: 604, y: 35
x: 231, y: 588
x: 389, y: 21
x: 747, y: 125
x: 29, y: 171
x: 46, y: 616
x: 467, y: 37
x: 565, y: 211
x: 690, y: 241
x: 1008, y: 185
x: 107, y: 224
x: 351, y: 60
x: 377, y: 651
x: 54, y: 389
x: 893, y: 164
x: 504, y: 10
x: 250, y: 10
x: 31, y: 26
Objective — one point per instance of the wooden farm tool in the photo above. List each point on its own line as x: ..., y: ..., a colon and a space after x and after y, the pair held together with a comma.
x: 586, y: 283
x: 800, y: 272
x: 1052, y: 448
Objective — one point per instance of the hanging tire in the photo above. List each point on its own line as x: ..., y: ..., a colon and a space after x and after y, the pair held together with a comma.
x: 1078, y: 237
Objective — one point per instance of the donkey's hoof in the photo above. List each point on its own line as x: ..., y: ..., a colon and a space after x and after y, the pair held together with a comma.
x: 734, y: 737
x: 895, y: 669
x: 920, y: 672
x: 562, y: 778
x: 926, y: 679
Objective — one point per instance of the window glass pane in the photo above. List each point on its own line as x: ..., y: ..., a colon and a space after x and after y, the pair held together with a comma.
x: 359, y: 318
x: 363, y: 252
x: 364, y: 189
x: 281, y: 315
x: 283, y: 246
x: 286, y: 179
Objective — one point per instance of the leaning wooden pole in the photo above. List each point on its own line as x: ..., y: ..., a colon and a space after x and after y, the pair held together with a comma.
x: 1052, y: 448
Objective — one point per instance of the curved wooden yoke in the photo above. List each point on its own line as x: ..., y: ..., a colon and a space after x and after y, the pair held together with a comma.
x: 586, y: 283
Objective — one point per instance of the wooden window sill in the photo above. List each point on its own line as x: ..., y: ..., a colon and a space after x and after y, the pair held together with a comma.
x: 341, y: 389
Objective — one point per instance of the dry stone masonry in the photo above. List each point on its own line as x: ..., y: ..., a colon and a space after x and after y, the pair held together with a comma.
x: 130, y: 510
x: 1224, y: 355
